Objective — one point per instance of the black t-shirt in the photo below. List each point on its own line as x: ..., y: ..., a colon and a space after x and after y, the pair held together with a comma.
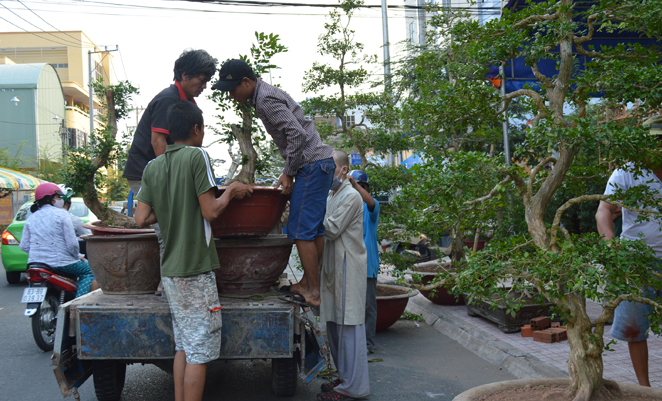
x: 155, y: 118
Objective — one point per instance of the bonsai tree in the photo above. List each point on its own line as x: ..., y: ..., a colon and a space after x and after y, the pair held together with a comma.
x: 545, y: 262
x: 257, y: 153
x: 82, y: 171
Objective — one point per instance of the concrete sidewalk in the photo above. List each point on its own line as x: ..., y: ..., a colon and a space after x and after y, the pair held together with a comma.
x: 523, y: 357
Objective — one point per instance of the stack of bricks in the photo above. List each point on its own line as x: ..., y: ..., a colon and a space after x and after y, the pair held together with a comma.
x: 540, y: 331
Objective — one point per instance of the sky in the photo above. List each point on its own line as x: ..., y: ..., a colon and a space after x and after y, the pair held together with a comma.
x: 151, y: 34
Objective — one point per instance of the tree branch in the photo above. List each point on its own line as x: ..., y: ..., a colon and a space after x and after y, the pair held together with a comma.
x: 492, y: 192
x: 541, y: 77
x: 566, y: 206
x: 535, y: 171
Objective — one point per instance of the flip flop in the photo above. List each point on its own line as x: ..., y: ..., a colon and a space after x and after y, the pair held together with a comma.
x: 295, y: 298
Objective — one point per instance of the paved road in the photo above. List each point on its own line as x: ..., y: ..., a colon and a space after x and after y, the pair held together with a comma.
x: 418, y: 363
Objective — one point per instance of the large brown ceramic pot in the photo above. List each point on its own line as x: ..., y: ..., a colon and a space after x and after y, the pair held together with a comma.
x: 441, y: 295
x: 256, y: 215
x: 251, y: 265
x: 97, y: 230
x: 125, y: 264
x: 391, y: 303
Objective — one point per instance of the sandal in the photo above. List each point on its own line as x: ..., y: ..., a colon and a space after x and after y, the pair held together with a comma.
x: 333, y: 396
x: 328, y: 387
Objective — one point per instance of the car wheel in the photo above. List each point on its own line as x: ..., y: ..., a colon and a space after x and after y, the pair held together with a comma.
x: 13, y: 277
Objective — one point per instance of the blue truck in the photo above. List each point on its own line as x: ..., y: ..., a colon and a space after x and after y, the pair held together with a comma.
x: 98, y: 335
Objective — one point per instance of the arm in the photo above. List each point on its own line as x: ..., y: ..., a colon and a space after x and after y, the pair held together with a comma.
x: 144, y: 215
x: 159, y: 142
x: 338, y: 221
x: 365, y: 195
x: 605, y: 219
x: 212, y: 207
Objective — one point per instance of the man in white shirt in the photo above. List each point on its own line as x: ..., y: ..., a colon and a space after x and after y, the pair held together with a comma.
x: 630, y: 318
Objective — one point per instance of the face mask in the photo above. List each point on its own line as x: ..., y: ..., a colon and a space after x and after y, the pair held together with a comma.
x: 335, y: 184
x: 59, y: 203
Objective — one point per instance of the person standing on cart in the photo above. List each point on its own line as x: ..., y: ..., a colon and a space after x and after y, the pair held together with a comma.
x: 179, y: 192
x: 193, y: 69
x: 308, y: 165
x: 360, y: 182
x: 343, y: 287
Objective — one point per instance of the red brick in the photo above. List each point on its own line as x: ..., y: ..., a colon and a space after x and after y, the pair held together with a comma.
x: 527, y: 331
x: 561, y: 334
x: 544, y: 336
x: 540, y: 323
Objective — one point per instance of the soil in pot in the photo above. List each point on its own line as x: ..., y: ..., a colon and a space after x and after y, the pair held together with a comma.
x: 553, y: 393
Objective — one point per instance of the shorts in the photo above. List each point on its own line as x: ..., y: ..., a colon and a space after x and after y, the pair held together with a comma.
x: 631, y: 318
x: 308, y: 201
x: 196, y: 316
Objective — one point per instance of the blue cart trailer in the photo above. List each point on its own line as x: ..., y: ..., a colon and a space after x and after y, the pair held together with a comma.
x: 98, y: 335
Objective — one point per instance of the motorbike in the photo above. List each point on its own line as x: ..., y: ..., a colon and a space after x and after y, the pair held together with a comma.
x: 48, y: 289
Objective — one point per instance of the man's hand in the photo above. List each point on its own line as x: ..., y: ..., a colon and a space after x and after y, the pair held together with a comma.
x: 286, y: 181
x: 240, y: 190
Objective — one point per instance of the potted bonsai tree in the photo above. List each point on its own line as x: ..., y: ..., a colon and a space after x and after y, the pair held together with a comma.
x: 544, y: 262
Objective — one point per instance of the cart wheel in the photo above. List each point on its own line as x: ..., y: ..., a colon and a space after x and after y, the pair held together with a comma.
x: 284, y: 376
x: 108, y: 379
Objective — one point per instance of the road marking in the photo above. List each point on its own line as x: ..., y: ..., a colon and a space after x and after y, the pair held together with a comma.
x: 429, y: 394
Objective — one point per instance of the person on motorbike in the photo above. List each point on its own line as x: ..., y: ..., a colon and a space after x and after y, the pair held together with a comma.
x: 49, y: 237
x: 75, y: 220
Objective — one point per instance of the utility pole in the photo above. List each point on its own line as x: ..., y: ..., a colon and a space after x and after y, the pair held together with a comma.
x: 390, y: 160
x: 89, y: 83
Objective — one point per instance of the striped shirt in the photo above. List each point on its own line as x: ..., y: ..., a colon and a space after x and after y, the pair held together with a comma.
x: 297, y: 138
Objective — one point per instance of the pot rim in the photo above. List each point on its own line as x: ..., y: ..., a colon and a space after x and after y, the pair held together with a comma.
x: 91, y: 226
x: 412, y: 292
x: 124, y: 237
x: 485, y: 389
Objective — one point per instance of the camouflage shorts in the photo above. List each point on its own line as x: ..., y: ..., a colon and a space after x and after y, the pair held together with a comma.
x: 196, y: 316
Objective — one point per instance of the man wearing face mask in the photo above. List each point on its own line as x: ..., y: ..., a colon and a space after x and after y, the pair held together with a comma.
x: 49, y: 237
x: 343, y: 282
x: 308, y: 168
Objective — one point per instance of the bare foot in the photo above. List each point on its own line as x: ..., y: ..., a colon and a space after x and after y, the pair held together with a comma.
x: 299, y: 287
x: 311, y: 298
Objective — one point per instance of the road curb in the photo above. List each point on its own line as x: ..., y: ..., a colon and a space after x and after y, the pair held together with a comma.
x: 514, y: 360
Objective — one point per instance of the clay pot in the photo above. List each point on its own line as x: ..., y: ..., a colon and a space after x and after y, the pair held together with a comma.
x: 96, y: 230
x: 470, y: 245
x: 251, y: 265
x: 257, y: 215
x: 629, y: 390
x: 125, y: 264
x: 391, y: 303
x: 506, y: 321
x: 441, y: 296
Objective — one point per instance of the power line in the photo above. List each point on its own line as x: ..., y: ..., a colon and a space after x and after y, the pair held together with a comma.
x: 10, y: 10
x: 122, y: 60
x: 48, y: 23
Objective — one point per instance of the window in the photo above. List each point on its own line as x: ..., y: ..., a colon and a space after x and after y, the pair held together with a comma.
x: 350, y: 120
x: 24, y: 212
x: 412, y: 31
x: 60, y: 65
x: 78, y: 209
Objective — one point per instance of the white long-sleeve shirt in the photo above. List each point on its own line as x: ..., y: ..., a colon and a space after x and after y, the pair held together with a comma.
x: 49, y: 237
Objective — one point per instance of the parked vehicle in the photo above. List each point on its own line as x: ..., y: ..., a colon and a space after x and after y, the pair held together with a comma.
x: 421, y: 247
x: 14, y: 260
x: 48, y: 289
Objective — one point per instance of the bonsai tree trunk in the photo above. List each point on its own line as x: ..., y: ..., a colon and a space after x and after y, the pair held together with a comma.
x: 244, y: 137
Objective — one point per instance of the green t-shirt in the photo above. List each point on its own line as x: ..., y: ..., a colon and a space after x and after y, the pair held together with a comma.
x: 171, y: 185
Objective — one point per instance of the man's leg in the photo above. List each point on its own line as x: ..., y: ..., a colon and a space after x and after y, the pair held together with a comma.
x: 194, y: 381
x: 352, y: 361
x: 178, y: 373
x: 371, y: 314
x: 309, y: 261
x: 639, y: 357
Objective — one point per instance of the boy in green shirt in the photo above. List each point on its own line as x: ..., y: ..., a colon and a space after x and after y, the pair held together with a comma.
x: 178, y: 192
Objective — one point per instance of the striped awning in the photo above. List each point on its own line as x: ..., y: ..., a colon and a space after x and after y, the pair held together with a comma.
x: 12, y: 179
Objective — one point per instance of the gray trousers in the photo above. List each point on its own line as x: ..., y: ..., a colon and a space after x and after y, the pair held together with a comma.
x: 135, y: 187
x: 350, y: 357
x: 371, y: 313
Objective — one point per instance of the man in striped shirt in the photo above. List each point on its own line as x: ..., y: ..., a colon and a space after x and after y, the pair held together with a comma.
x: 309, y: 165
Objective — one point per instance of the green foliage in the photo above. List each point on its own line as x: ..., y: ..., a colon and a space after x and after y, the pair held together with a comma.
x: 410, y: 316
x: 117, y: 188
x: 12, y: 160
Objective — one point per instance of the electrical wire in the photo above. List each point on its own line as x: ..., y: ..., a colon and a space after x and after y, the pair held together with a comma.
x: 51, y: 40
x: 76, y: 41
x: 126, y: 76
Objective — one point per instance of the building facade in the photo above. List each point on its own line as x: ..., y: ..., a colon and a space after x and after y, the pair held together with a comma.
x: 67, y: 53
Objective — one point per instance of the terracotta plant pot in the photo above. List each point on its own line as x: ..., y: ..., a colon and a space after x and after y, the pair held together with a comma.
x: 96, y: 230
x: 257, y: 215
x: 125, y: 264
x: 507, y: 322
x: 470, y: 244
x: 482, y: 392
x: 391, y: 303
x: 441, y: 295
x: 251, y: 265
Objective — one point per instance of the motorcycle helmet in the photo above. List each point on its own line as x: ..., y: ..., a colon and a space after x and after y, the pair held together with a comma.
x: 359, y: 176
x: 47, y: 188
x: 68, y: 192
